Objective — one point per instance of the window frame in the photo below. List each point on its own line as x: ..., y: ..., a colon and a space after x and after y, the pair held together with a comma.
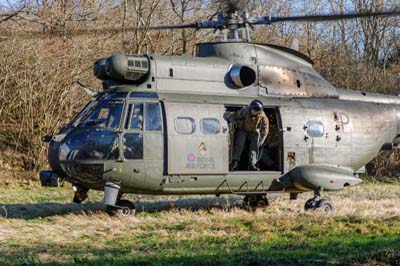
x: 126, y: 129
x: 194, y: 126
x: 129, y: 114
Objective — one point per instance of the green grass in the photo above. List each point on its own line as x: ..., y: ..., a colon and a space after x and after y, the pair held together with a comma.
x: 44, y: 228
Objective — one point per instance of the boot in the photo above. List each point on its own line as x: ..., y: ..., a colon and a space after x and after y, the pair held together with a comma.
x: 234, y: 165
x: 253, y: 167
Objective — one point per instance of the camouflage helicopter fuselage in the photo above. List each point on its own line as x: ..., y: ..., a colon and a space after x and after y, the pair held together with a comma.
x: 325, y: 134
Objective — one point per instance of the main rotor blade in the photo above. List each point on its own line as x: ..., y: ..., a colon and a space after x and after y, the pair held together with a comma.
x: 328, y: 17
x: 77, y: 32
x: 120, y: 29
x: 164, y: 27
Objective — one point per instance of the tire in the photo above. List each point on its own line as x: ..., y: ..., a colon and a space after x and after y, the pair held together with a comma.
x: 123, y: 208
x: 80, y: 195
x: 255, y: 201
x: 310, y: 204
x: 76, y: 200
x: 325, y: 206
x: 262, y: 202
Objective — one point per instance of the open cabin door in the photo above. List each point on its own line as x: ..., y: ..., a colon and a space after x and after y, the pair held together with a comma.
x: 197, y: 139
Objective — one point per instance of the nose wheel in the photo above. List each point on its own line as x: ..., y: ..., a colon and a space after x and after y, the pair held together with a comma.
x: 123, y: 208
x: 116, y: 205
x: 80, y: 194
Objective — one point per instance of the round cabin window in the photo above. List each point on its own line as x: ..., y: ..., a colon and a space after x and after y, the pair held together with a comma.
x: 315, y: 129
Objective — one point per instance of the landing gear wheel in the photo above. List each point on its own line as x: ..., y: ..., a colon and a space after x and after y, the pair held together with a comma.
x: 123, y: 208
x: 324, y: 205
x: 76, y: 199
x: 262, y: 202
x: 293, y: 196
x: 255, y: 201
x: 80, y: 194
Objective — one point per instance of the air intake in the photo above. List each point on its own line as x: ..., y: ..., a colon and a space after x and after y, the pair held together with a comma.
x: 242, y: 76
x: 127, y: 67
x: 122, y: 67
x: 99, y: 69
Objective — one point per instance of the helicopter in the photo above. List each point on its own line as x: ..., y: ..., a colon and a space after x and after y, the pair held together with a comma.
x: 159, y: 125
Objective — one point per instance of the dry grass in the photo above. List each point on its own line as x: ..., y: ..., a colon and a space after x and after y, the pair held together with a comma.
x: 366, y: 222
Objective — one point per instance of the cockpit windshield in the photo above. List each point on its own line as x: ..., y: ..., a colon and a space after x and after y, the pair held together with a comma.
x: 104, y: 112
x: 107, y: 115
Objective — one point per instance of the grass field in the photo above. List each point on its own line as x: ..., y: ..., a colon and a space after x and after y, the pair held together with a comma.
x: 42, y: 227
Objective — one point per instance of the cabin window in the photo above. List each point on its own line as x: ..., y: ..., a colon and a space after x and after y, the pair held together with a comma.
x: 136, y: 116
x: 153, y: 116
x: 133, y: 146
x: 209, y: 126
x: 185, y: 125
x: 315, y: 129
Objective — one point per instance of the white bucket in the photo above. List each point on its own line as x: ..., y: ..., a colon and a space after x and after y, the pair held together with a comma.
x: 111, y: 191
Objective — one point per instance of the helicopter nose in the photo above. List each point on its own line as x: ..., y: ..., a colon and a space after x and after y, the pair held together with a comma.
x: 53, y: 177
x: 84, y: 152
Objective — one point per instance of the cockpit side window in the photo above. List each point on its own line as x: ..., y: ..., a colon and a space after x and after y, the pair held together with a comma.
x: 92, y: 108
x: 153, y: 116
x: 136, y: 116
x: 88, y: 108
x: 113, y: 112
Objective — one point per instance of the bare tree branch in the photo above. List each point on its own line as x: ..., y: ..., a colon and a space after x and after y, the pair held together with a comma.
x: 6, y: 17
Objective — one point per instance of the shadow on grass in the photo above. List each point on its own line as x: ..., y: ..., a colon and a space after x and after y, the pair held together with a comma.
x: 42, y: 210
x: 358, y: 251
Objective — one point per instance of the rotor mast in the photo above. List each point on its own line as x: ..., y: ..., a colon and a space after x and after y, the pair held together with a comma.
x: 234, y: 28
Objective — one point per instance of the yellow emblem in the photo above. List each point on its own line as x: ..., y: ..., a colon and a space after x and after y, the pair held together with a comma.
x: 202, y: 149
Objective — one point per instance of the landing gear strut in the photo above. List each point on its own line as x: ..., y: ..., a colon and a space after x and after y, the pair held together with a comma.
x: 318, y: 203
x: 255, y: 201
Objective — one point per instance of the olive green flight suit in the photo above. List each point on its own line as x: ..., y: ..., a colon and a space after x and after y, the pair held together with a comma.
x: 253, y: 128
x: 271, y: 144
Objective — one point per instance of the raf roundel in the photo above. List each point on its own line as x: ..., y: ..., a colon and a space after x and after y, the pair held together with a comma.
x: 191, y: 157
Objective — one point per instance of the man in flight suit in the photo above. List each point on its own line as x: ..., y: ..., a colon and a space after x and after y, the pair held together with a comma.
x: 252, y: 124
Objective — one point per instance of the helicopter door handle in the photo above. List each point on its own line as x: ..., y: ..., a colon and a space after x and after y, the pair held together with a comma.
x: 136, y: 170
x: 224, y: 129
